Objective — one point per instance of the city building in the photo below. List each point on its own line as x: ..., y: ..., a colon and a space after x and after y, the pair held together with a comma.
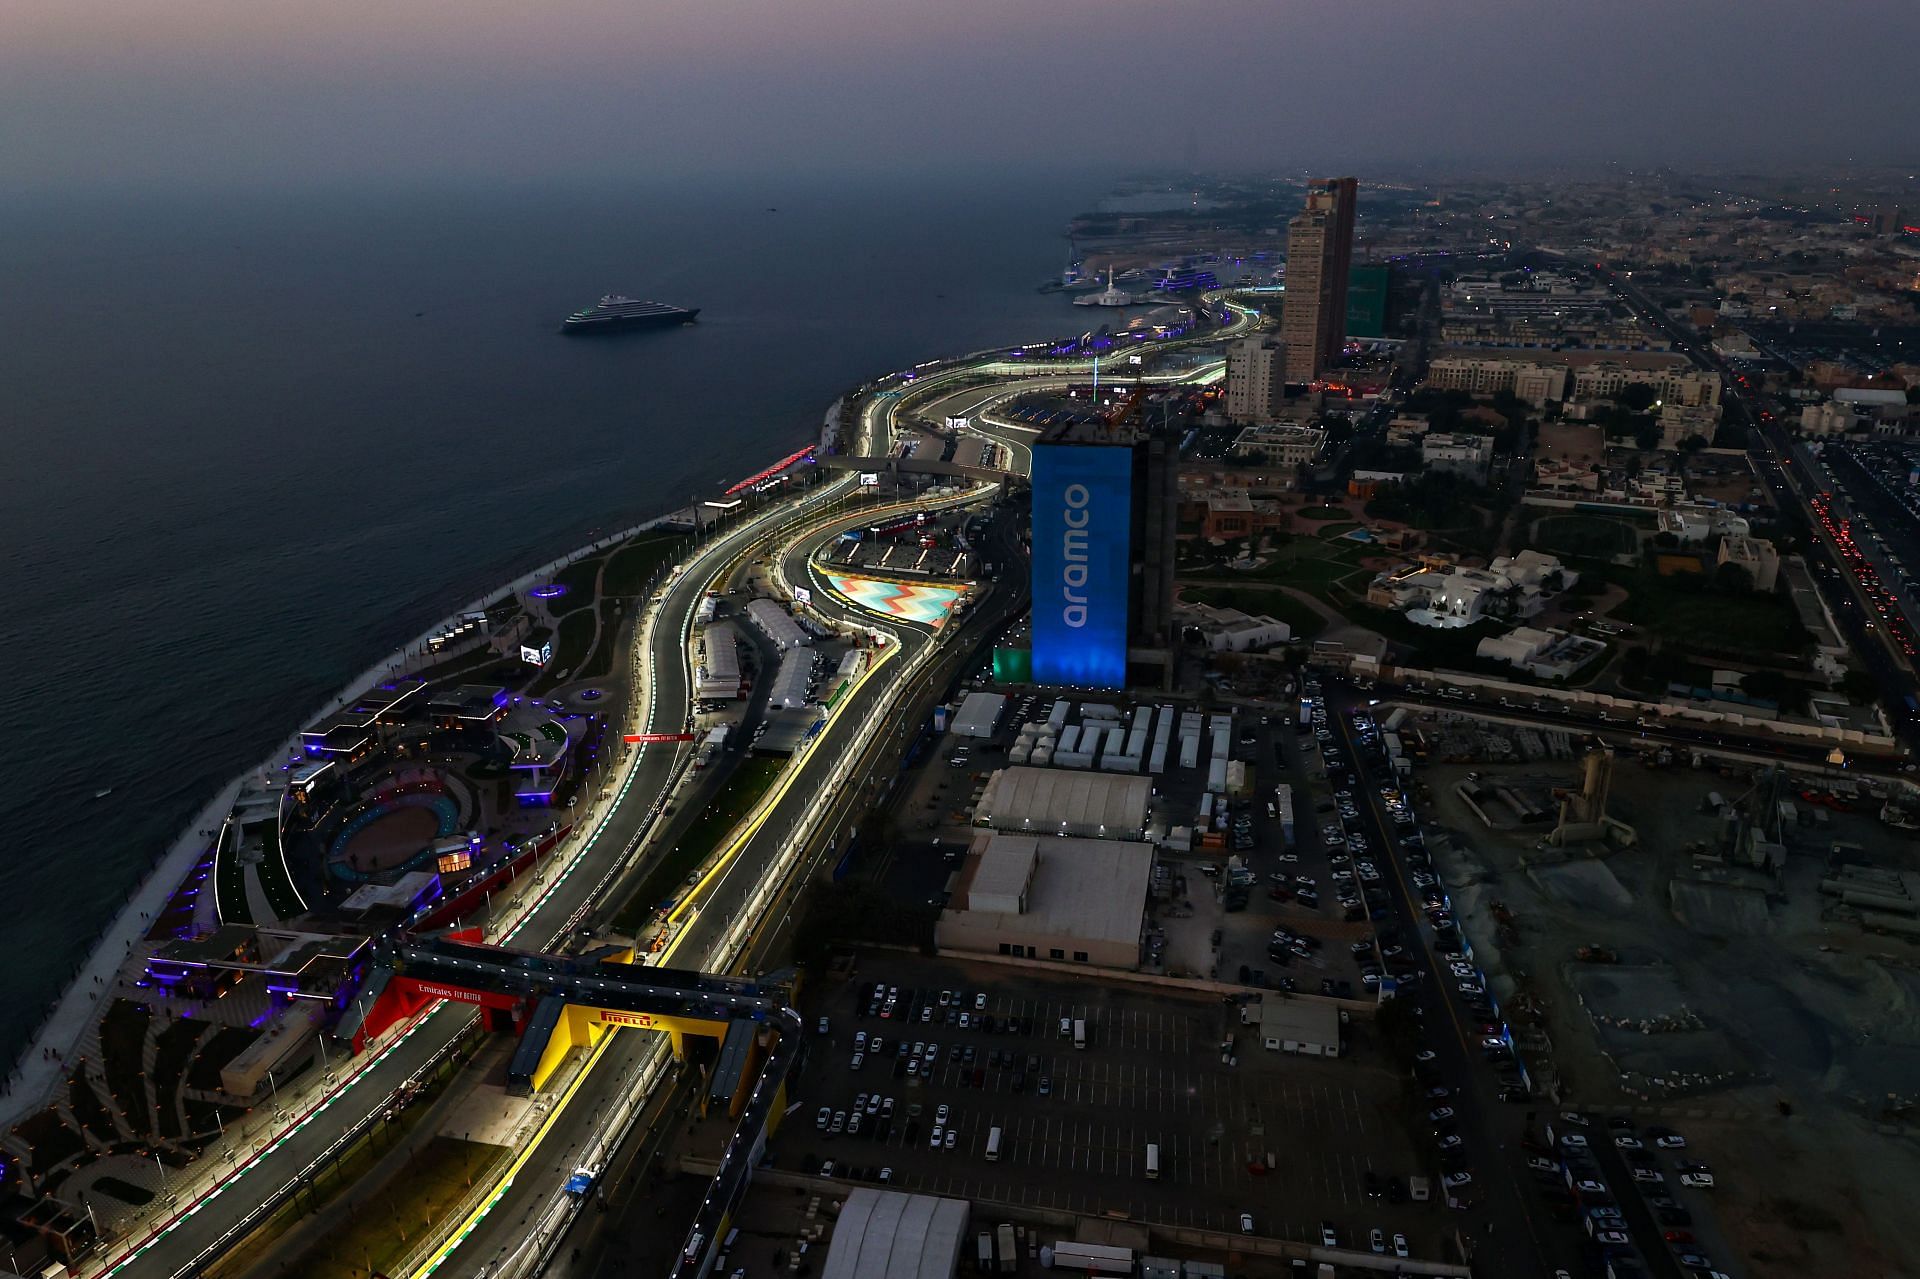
x: 1831, y: 418
x: 1367, y: 288
x: 1227, y: 516
x: 1106, y: 508
x: 1693, y: 525
x: 1886, y: 220
x: 1438, y: 592
x: 1754, y: 554
x: 1075, y: 901
x: 1228, y: 630
x: 1307, y: 1026
x: 468, y: 707
x: 1404, y: 431
x: 1547, y: 654
x: 1280, y: 445
x: 1256, y: 379
x: 1313, y: 319
x: 1467, y: 456
x: 1534, y: 383
x: 1680, y: 423
x: 1692, y: 388
x: 351, y: 731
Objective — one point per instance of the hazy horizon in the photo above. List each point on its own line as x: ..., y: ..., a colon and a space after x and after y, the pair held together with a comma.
x: 220, y: 92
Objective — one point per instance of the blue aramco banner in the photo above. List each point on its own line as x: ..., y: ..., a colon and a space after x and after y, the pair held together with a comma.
x: 1082, y: 522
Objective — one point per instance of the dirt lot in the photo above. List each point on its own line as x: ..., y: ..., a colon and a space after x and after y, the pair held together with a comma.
x: 1782, y: 1040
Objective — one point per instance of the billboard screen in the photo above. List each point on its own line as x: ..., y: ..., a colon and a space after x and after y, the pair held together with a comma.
x: 1082, y: 524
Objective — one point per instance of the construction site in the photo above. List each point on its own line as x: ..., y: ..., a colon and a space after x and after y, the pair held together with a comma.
x: 1724, y: 941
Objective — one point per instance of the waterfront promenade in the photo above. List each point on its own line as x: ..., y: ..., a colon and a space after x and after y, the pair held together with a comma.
x: 45, y: 1062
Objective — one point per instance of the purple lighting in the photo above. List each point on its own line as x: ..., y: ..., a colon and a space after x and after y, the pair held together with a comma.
x: 552, y: 590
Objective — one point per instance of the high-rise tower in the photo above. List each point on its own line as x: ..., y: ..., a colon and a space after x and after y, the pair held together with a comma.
x: 1319, y: 255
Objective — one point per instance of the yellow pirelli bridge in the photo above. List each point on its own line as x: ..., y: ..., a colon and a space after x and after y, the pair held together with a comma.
x: 560, y: 1002
x: 557, y: 1003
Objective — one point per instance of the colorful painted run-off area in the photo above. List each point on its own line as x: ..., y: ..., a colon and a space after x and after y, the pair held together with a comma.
x: 926, y: 604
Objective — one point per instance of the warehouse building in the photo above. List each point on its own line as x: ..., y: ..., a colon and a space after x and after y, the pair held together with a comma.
x: 717, y: 678
x: 979, y: 714
x: 883, y: 1234
x: 778, y: 624
x: 1050, y: 801
x: 1307, y: 1026
x: 793, y: 683
x: 1074, y: 900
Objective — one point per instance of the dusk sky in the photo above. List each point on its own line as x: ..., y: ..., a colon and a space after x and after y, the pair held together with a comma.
x: 272, y: 90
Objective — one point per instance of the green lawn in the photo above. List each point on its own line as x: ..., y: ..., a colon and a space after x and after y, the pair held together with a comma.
x: 1588, y: 535
x: 1324, y: 513
x: 1313, y: 566
x: 380, y: 1234
x: 578, y: 577
x: 600, y: 664
x: 569, y: 651
x: 1683, y: 610
x: 750, y: 781
x: 635, y: 563
x: 1301, y: 620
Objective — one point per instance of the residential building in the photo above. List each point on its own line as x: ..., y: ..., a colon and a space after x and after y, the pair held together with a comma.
x: 1534, y: 383
x: 1280, y: 445
x: 1468, y: 456
x: 1228, y: 630
x: 1680, y: 423
x: 1693, y: 525
x: 1692, y: 388
x: 1319, y: 258
x: 1225, y: 516
x: 1831, y: 418
x: 1256, y: 380
x: 1438, y: 592
x: 1406, y: 430
x: 1754, y: 554
x: 1547, y: 654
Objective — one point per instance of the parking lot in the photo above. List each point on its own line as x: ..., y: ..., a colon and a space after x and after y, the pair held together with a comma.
x: 1293, y: 932
x: 1292, y: 1140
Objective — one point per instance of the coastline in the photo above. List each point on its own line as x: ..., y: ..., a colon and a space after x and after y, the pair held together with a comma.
x: 44, y: 1059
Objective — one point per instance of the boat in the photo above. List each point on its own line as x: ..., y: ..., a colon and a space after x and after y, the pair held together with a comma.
x: 615, y: 313
x: 102, y: 794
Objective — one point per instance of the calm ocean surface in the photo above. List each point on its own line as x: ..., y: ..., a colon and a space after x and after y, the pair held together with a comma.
x: 250, y: 444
